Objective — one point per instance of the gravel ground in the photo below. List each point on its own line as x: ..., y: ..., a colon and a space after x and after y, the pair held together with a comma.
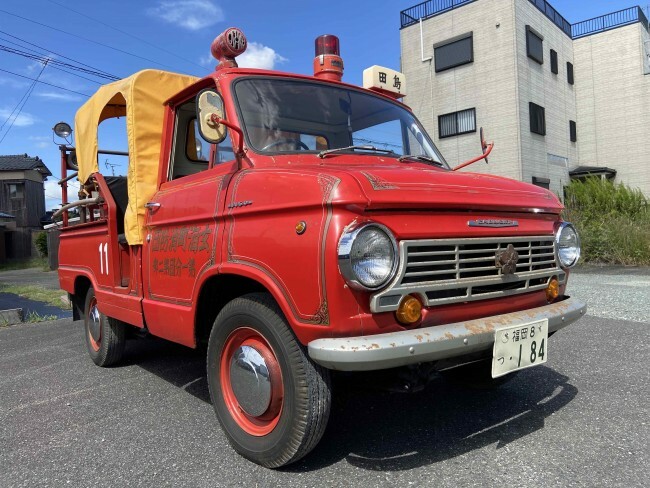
x: 31, y: 276
x: 579, y: 420
x: 613, y: 292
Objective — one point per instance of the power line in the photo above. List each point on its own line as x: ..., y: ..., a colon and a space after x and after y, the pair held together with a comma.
x: 45, y: 83
x: 54, y: 62
x: 127, y: 34
x: 24, y: 102
x: 84, y: 38
x: 49, y: 51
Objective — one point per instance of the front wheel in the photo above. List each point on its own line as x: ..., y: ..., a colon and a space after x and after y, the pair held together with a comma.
x: 271, y: 400
x: 105, y: 336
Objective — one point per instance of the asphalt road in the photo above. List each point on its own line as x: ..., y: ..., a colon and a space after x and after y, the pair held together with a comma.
x: 579, y: 420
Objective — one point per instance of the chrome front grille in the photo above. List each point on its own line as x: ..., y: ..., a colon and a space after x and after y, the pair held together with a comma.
x: 445, y: 271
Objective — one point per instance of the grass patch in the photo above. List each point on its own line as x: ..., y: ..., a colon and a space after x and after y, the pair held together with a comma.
x: 613, y: 222
x: 37, y: 293
x: 34, y: 317
x: 40, y: 263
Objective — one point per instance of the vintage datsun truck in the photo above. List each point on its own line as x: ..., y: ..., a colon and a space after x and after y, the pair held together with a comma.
x: 297, y: 225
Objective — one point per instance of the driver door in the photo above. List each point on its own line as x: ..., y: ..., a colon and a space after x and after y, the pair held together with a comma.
x: 184, y: 225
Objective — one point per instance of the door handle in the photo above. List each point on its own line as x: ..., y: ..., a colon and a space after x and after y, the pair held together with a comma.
x: 151, y: 205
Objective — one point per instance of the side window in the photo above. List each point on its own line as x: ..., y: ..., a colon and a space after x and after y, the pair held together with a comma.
x: 191, y: 153
x: 224, y: 151
x: 197, y: 150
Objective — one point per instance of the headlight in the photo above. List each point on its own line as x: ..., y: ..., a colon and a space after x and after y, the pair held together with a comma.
x: 367, y: 256
x: 568, y: 245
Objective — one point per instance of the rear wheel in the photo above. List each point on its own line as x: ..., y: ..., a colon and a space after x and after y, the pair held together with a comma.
x: 271, y: 400
x: 105, y: 336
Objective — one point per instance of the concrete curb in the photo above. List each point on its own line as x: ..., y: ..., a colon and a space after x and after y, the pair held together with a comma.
x: 11, y: 316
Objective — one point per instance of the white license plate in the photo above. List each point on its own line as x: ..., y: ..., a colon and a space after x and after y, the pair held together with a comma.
x: 519, y: 346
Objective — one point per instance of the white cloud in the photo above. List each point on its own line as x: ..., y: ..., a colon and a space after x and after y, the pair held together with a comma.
x: 63, y: 97
x: 41, y: 141
x: 13, y: 83
x: 256, y: 56
x: 207, y: 60
x: 259, y: 56
x: 23, y: 120
x: 53, y: 192
x: 189, y: 14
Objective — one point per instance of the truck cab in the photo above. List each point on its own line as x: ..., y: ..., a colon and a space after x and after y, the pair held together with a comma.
x: 297, y: 225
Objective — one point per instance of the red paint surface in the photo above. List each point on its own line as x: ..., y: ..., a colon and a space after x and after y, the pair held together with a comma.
x: 258, y: 240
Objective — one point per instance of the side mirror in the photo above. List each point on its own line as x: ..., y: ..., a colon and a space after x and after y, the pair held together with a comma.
x: 484, y: 145
x: 486, y: 149
x: 209, y: 103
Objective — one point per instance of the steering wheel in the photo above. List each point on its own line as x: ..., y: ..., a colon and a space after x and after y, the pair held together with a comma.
x: 297, y: 143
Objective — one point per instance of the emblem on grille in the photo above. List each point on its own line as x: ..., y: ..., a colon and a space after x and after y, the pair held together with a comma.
x: 506, y: 260
x: 493, y: 223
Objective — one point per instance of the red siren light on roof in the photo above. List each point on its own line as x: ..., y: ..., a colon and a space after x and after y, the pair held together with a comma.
x: 328, y: 63
x: 227, y: 46
x: 327, y: 44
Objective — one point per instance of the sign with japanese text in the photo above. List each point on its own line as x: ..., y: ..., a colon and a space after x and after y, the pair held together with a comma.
x: 384, y: 79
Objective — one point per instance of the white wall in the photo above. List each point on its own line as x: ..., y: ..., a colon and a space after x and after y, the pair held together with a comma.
x: 613, y: 103
x: 488, y: 84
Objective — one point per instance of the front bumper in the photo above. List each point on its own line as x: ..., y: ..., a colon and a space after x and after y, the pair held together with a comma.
x: 382, y: 351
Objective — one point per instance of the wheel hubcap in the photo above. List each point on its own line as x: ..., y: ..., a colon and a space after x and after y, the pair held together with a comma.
x: 251, y: 381
x: 94, y: 325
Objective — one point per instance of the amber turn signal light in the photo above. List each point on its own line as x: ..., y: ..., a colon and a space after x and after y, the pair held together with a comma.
x: 552, y: 290
x: 409, y: 310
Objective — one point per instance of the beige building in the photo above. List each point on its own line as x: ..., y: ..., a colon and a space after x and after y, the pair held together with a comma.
x: 558, y: 100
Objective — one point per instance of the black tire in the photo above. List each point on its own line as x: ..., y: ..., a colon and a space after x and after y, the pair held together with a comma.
x: 306, y: 401
x: 108, y: 349
x: 477, y: 375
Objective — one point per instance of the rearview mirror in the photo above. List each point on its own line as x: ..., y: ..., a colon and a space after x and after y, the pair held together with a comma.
x: 209, y: 103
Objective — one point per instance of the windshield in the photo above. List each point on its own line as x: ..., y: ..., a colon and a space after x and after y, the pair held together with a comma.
x: 290, y: 116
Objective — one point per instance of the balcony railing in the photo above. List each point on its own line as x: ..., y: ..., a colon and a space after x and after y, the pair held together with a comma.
x: 431, y: 8
x: 609, y: 21
x: 548, y: 10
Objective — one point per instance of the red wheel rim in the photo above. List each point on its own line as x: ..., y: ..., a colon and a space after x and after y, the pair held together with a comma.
x: 263, y: 424
x: 94, y: 315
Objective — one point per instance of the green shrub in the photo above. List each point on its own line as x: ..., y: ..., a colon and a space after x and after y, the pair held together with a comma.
x: 41, y: 243
x: 613, y: 221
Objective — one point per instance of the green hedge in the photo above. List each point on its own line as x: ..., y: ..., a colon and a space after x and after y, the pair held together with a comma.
x: 613, y: 221
x: 41, y: 244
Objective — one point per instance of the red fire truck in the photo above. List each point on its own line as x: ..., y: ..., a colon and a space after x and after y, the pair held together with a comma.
x: 298, y: 225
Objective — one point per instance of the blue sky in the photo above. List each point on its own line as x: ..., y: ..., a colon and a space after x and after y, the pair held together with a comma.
x: 176, y: 35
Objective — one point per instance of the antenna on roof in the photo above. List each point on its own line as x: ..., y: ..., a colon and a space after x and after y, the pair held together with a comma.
x: 111, y: 166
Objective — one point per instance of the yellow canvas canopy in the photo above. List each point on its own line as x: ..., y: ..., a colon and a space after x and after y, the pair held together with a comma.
x: 140, y: 98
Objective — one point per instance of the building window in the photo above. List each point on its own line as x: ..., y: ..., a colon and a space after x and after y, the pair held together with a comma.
x: 543, y: 182
x: 457, y: 123
x: 16, y: 190
x: 534, y: 45
x: 456, y: 52
x: 573, y: 134
x: 554, y: 68
x: 537, y: 119
x: 569, y: 73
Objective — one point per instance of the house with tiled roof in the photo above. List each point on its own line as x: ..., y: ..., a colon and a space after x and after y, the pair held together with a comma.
x: 22, y: 204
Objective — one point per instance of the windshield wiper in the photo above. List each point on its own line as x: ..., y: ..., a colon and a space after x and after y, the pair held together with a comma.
x: 420, y: 157
x: 322, y: 154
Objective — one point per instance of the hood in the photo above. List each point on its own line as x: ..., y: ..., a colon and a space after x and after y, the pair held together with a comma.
x: 404, y: 186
